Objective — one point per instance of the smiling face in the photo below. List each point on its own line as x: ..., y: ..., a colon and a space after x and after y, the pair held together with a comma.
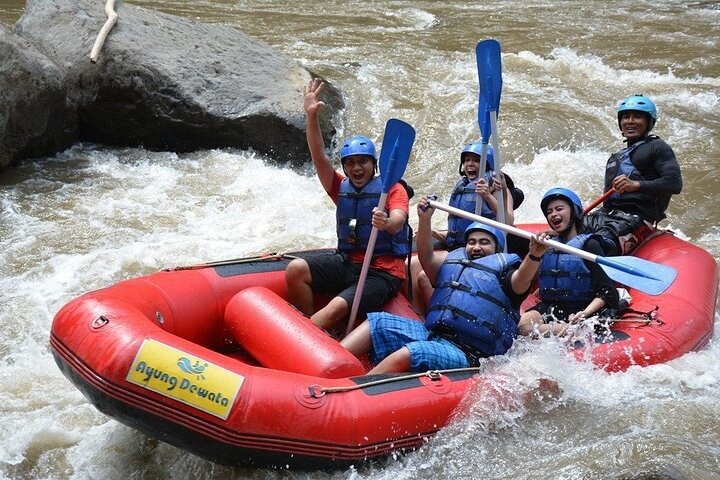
x: 634, y: 124
x: 479, y: 244
x: 559, y: 215
x: 360, y: 169
x: 471, y: 165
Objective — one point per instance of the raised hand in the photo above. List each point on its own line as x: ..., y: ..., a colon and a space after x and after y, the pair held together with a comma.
x: 311, y: 93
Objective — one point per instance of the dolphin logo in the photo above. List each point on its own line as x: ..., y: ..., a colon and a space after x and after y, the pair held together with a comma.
x: 197, y: 369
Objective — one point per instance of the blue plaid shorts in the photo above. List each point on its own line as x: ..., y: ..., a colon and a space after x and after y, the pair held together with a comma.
x: 391, y: 332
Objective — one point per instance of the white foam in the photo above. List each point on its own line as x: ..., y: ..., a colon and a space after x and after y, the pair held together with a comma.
x: 565, y: 59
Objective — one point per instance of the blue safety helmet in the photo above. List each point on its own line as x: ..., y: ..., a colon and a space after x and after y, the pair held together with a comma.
x: 358, y: 145
x: 495, y: 232
x: 567, y: 195
x: 476, y: 147
x: 639, y: 103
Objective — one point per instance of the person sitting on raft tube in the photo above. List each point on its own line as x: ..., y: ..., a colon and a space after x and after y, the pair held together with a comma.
x: 356, y: 196
x: 473, y: 312
x: 570, y: 289
x: 645, y: 174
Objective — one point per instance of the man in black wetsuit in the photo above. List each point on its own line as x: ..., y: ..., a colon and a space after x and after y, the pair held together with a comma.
x: 644, y: 174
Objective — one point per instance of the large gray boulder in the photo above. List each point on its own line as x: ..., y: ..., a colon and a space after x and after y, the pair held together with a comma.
x: 171, y: 83
x: 35, y: 120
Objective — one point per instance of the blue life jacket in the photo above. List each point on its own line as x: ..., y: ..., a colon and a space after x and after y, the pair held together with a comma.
x: 464, y: 198
x: 564, y: 278
x: 623, y: 164
x: 469, y: 302
x: 354, y: 221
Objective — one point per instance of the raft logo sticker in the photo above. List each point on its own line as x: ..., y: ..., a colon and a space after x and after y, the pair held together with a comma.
x: 187, y: 367
x: 185, y: 378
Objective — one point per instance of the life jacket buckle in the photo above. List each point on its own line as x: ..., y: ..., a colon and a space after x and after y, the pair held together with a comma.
x: 352, y: 234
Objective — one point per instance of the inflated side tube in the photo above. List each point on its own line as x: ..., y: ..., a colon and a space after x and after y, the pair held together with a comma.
x: 281, y: 337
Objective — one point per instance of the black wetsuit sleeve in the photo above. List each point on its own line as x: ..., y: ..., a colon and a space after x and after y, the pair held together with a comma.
x: 506, y: 284
x: 668, y: 178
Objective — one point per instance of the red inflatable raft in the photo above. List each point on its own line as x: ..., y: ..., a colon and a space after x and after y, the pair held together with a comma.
x: 212, y: 359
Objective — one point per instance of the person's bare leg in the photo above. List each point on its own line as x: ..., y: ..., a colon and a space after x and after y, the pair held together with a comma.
x: 358, y: 342
x: 559, y: 329
x: 398, y: 361
x: 415, y: 272
x: 529, y: 323
x: 425, y: 291
x: 532, y: 324
x: 328, y: 316
x: 299, y: 281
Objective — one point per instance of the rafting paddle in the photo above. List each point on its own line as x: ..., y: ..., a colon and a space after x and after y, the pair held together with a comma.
x: 484, y: 124
x: 394, y: 154
x: 598, y: 201
x: 489, y: 65
x: 640, y: 274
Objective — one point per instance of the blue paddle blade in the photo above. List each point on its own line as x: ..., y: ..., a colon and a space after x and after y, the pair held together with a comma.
x: 395, y: 151
x: 484, y: 120
x: 487, y: 54
x: 640, y: 274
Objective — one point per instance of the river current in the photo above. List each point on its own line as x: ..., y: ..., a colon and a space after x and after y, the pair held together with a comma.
x: 92, y: 215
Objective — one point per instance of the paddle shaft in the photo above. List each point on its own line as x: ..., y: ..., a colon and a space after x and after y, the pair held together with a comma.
x: 598, y: 201
x: 514, y: 230
x: 647, y: 277
x: 364, y: 269
x: 371, y: 246
x: 481, y: 174
x: 500, y: 194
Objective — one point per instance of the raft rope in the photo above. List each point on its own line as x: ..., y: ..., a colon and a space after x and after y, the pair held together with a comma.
x: 317, y: 391
x: 640, y: 317
x: 265, y: 257
x: 642, y: 321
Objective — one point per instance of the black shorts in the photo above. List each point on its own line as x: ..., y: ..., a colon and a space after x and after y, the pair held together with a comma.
x: 336, y: 275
